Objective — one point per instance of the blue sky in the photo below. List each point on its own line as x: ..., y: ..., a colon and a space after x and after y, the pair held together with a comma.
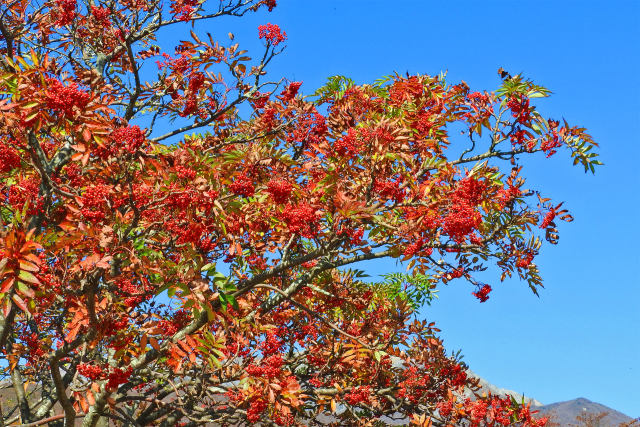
x: 581, y: 338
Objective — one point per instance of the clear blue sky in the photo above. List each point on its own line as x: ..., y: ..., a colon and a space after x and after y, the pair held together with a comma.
x: 582, y: 336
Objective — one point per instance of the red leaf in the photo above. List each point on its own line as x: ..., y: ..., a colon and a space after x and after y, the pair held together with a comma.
x: 19, y: 302
x: 7, y: 284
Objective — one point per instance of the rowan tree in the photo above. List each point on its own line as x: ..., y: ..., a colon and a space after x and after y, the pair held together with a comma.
x: 169, y: 258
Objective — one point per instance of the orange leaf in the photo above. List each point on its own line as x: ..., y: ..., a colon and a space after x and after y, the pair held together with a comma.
x: 83, y: 403
x: 7, y: 284
x: 6, y: 308
x: 26, y: 265
x: 91, y: 398
x: 19, y: 302
x: 35, y: 259
x: 29, y: 247
x: 154, y: 343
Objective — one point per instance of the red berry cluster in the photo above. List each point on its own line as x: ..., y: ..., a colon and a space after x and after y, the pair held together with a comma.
x: 130, y: 138
x: 127, y: 139
x: 461, y: 221
x: 179, y: 321
x: 34, y: 349
x: 270, y: 367
x: 90, y: 371
x: 101, y: 14
x: 242, y: 186
x: 309, y: 264
x: 444, y: 408
x: 470, y: 190
x: 479, y: 97
x: 455, y: 374
x: 185, y: 172
x: 183, y: 9
x: 463, y: 218
x: 415, y: 385
x: 118, y: 376
x: 481, y: 108
x: 272, y: 34
x: 355, y: 234
x: 454, y: 274
x: 358, y: 395
x: 417, y: 247
x: 26, y: 191
x: 526, y: 260
x: 519, y: 106
x: 506, y: 196
x: 259, y: 100
x: 548, y: 219
x: 74, y: 174
x: 9, y: 158
x: 133, y: 292
x: 477, y: 410
x: 256, y: 407
x: 256, y: 261
x: 280, y: 190
x: 66, y: 12
x: 94, y: 202
x: 196, y: 81
x: 310, y: 129
x: 519, y: 138
x: 483, y: 293
x: 316, y: 360
x: 290, y: 92
x: 389, y: 189
x: 349, y: 145
x: 65, y: 98
x: 283, y: 419
x: 500, y: 411
x: 181, y: 199
x: 269, y: 118
x: 272, y: 344
x: 301, y: 219
x: 425, y: 121
x: 552, y: 141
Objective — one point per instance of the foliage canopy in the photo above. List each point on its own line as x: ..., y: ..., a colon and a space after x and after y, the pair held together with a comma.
x: 166, y: 260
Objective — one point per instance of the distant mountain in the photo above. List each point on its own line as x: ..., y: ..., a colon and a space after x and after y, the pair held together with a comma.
x: 566, y: 413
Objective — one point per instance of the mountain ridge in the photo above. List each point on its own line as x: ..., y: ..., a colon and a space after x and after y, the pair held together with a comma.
x: 582, y: 411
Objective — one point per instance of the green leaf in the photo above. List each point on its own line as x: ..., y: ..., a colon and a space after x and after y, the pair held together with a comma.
x: 28, y: 277
x: 25, y: 290
x: 223, y: 300
x: 209, y: 267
